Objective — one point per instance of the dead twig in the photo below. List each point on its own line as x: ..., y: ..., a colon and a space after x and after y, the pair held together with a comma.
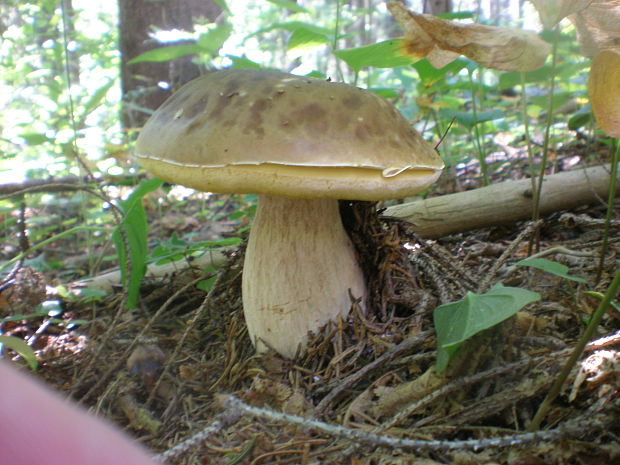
x: 406, y: 345
x: 570, y: 220
x: 492, y: 273
x: 224, y: 419
x: 461, y: 383
x: 24, y: 245
x: 113, y: 368
x: 63, y: 184
x: 236, y: 408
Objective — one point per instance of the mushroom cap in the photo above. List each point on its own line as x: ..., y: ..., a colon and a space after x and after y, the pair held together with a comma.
x: 267, y: 132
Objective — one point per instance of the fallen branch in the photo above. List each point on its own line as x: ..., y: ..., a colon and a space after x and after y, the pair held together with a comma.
x: 63, y: 184
x: 504, y: 202
x: 234, y: 406
x: 112, y: 279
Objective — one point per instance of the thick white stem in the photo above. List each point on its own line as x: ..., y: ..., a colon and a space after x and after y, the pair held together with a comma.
x: 299, y: 268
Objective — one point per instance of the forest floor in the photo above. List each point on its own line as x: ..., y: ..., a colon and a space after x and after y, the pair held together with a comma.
x: 159, y: 371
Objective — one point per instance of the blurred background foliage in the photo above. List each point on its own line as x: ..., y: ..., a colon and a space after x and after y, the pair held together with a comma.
x: 73, y: 96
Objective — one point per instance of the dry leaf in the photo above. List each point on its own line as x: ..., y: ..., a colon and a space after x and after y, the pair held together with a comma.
x: 26, y: 290
x: 139, y: 416
x: 599, y: 370
x: 280, y: 396
x: 604, y: 89
x: 493, y: 47
x: 552, y: 12
x: 598, y: 26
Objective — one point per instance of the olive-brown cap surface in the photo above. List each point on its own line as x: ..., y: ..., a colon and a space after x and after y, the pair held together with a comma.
x: 266, y: 132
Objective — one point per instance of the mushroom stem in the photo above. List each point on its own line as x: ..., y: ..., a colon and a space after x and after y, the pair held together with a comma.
x: 300, y: 266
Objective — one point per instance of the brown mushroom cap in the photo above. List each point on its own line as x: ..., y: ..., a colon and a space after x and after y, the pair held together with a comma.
x: 265, y: 132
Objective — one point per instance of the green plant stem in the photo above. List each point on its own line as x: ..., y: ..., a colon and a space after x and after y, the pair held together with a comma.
x: 481, y: 158
x: 439, y: 131
x: 337, y: 25
x: 610, y: 208
x: 549, y: 120
x: 577, y: 351
x: 482, y: 93
x: 244, y: 453
x: 528, y: 140
x: 336, y: 37
x: 43, y: 243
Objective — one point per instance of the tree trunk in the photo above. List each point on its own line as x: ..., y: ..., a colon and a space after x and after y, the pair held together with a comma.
x: 74, y: 58
x: 141, y: 82
x: 500, y: 12
x: 435, y: 7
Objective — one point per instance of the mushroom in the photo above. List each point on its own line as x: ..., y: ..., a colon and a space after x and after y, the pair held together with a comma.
x: 300, y: 144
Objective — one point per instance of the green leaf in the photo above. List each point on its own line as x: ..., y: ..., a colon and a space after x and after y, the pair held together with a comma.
x: 86, y: 295
x: 292, y: 6
x: 97, y: 96
x: 534, y: 111
x: 550, y: 267
x: 541, y: 75
x: 243, y: 63
x: 449, y: 101
x: 222, y: 4
x: 384, y: 92
x: 292, y: 26
x: 305, y: 39
x: 35, y: 138
x: 237, y: 214
x: 134, y: 228
x: 167, y: 53
x: 71, y: 324
x: 207, y: 284
x: 317, y: 75
x: 458, y: 321
x: 211, y: 41
x: 582, y: 118
x: 559, y: 99
x: 615, y: 305
x: 217, y: 243
x: 176, y: 249
x: 512, y: 79
x: 23, y: 349
x: 95, y: 100
x: 386, y: 54
x: 429, y: 74
x: 457, y: 15
x: 467, y: 118
x: 36, y: 314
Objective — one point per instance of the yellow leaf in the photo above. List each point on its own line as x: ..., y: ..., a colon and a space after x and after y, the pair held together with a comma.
x: 442, y: 41
x: 598, y: 26
x: 604, y: 89
x: 552, y: 12
x: 424, y: 101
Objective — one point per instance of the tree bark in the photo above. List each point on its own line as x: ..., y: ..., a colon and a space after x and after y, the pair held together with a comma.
x: 140, y: 81
x: 435, y: 7
x: 504, y: 202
